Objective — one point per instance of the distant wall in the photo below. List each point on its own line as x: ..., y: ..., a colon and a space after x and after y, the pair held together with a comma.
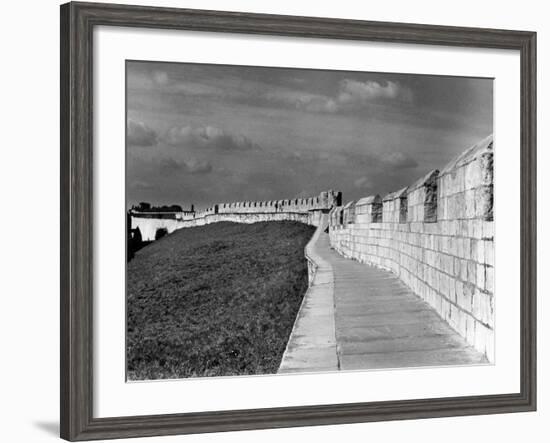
x: 324, y: 201
x: 438, y: 236
x: 304, y: 210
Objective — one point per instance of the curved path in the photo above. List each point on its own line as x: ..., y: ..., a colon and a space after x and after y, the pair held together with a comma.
x: 356, y: 316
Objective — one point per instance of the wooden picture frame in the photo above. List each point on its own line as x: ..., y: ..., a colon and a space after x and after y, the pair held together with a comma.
x: 77, y: 23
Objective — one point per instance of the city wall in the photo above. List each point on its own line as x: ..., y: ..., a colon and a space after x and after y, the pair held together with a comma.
x: 304, y: 210
x: 437, y: 235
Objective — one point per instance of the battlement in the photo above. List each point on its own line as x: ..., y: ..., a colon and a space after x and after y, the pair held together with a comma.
x: 305, y: 210
x: 437, y: 235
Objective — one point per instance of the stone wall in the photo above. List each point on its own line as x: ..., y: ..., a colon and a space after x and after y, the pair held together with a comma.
x: 438, y: 236
x: 304, y: 210
x: 324, y: 201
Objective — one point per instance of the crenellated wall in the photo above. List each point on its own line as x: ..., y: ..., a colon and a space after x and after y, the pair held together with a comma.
x: 305, y: 210
x: 437, y: 235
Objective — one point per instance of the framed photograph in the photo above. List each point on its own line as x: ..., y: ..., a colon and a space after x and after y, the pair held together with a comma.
x: 272, y: 221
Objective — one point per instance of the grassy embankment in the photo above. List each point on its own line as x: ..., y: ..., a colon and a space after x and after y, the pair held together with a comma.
x: 215, y: 300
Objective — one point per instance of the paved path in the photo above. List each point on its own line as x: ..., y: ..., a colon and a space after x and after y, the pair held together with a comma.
x: 356, y: 316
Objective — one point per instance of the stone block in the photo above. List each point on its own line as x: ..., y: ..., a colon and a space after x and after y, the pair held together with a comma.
x: 473, y: 249
x: 459, y: 208
x: 473, y: 174
x: 470, y: 330
x: 452, y: 245
x: 463, y: 274
x: 460, y: 247
x: 489, y: 247
x: 442, y: 208
x: 456, y: 267
x: 488, y: 229
x: 490, y: 279
x: 458, y: 293
x: 464, y: 297
x: 484, y: 202
x: 467, y: 248
x: 480, y: 276
x: 486, y: 161
x: 477, y: 229
x: 480, y: 258
x: 449, y: 264
x: 470, y: 203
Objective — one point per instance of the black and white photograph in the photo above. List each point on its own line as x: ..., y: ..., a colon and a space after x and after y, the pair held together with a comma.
x: 283, y: 220
x: 228, y: 221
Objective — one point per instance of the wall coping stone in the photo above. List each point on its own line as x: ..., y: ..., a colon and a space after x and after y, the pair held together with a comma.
x: 428, y: 179
x: 349, y: 204
x: 402, y: 193
x: 370, y: 200
x: 485, y: 146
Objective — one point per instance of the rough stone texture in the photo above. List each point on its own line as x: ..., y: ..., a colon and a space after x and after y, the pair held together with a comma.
x: 422, y: 199
x: 369, y: 209
x: 444, y: 251
x: 361, y: 317
x: 395, y: 206
x: 349, y: 213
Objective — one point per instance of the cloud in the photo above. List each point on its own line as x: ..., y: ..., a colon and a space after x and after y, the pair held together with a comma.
x: 208, y: 137
x: 352, y: 91
x: 380, y: 161
x: 351, y: 95
x: 363, y: 182
x: 160, y: 77
x: 198, y: 167
x: 170, y: 165
x: 301, y: 100
x: 178, y: 84
x: 399, y: 160
x: 139, y: 134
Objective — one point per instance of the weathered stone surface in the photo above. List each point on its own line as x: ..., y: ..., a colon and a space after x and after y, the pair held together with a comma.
x: 445, y: 250
x: 422, y: 198
x: 361, y: 317
x: 349, y: 213
x: 371, y: 206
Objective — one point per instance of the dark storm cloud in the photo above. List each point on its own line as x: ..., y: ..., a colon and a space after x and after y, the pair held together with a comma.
x: 234, y: 133
x: 139, y: 134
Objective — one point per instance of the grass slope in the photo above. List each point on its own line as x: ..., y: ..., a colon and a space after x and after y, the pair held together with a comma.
x: 215, y: 300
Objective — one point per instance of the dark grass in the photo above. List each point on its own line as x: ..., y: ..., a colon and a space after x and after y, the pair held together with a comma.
x: 215, y: 300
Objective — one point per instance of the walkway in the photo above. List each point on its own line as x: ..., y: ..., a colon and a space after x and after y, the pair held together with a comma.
x: 356, y: 316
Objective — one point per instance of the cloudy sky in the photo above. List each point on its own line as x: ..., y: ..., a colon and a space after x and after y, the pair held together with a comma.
x: 208, y: 134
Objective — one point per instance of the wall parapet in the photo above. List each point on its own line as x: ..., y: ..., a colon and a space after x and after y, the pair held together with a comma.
x: 394, y: 206
x: 304, y: 210
x: 437, y: 235
x: 369, y: 209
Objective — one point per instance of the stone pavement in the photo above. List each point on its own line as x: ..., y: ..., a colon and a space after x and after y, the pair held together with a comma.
x: 356, y: 316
